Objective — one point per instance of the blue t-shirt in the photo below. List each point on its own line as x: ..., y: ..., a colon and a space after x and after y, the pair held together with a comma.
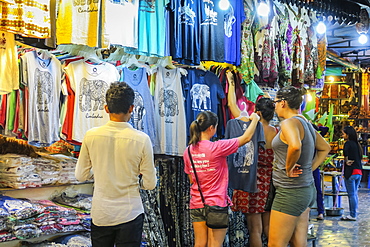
x: 152, y: 29
x: 212, y: 34
x: 184, y: 30
x: 233, y: 22
x: 243, y: 163
x: 203, y: 92
x: 142, y: 118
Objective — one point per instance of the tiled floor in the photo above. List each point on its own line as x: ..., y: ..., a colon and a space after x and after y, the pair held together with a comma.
x: 336, y: 233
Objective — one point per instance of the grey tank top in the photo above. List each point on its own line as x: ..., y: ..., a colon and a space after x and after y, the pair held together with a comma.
x: 279, y: 176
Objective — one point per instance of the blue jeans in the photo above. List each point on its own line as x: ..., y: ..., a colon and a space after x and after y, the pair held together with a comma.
x: 319, y: 196
x: 352, y: 184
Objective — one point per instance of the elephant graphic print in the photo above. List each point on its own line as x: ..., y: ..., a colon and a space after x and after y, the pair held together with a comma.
x: 201, y: 97
x: 243, y: 163
x: 243, y: 158
x: 44, y: 89
x: 92, y: 95
x: 43, y: 78
x: 90, y: 83
x: 170, y: 113
x: 138, y: 113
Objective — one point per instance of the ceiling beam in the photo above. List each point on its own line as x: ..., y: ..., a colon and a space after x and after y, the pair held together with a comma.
x: 359, y: 56
x: 346, y: 47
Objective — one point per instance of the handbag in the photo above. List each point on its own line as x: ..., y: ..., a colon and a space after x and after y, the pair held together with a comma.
x: 216, y: 217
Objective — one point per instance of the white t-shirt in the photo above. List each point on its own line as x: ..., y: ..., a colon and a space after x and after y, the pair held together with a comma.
x: 43, y: 78
x: 121, y: 22
x: 169, y: 113
x: 78, y: 23
x: 90, y: 83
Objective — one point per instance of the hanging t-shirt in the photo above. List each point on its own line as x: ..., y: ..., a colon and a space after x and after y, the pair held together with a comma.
x: 212, y: 32
x: 79, y: 22
x: 43, y: 78
x: 233, y: 22
x: 9, y: 76
x: 90, y: 83
x: 169, y: 113
x: 142, y: 118
x: 126, y: 12
x: 184, y: 31
x: 203, y: 92
x: 152, y: 28
x: 243, y: 163
x: 28, y: 18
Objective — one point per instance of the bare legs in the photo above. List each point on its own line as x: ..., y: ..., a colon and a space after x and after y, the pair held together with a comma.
x: 257, y: 224
x: 285, y: 228
x: 207, y: 237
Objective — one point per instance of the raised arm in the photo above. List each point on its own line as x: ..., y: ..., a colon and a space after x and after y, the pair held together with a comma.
x: 231, y: 97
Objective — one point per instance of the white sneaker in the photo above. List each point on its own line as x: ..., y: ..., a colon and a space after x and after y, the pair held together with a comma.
x: 348, y: 218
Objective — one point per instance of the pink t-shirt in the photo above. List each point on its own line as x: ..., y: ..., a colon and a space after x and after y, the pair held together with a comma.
x: 212, y: 170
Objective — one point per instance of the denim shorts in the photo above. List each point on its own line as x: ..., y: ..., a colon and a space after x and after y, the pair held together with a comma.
x: 294, y: 201
x: 198, y: 214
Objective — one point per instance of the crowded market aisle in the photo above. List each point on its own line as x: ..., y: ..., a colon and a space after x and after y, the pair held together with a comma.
x: 333, y: 232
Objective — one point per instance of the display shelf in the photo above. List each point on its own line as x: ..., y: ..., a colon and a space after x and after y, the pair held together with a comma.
x: 54, y: 185
x: 330, y: 193
x: 42, y: 193
x: 17, y: 242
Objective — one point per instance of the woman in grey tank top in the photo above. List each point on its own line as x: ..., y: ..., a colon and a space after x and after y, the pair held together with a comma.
x: 294, y: 146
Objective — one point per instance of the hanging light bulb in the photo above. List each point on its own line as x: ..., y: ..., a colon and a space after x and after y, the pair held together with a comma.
x: 263, y: 9
x: 309, y: 97
x: 321, y: 28
x: 362, y: 39
x: 224, y: 4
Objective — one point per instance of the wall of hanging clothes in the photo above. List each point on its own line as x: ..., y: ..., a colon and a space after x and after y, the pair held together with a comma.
x: 62, y: 94
x: 279, y: 49
x: 178, y: 56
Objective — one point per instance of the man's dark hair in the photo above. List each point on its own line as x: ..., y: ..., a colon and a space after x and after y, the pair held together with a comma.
x: 119, y: 97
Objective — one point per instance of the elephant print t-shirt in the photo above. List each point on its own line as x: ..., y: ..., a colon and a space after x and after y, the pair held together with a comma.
x: 203, y: 92
x: 42, y: 74
x: 169, y: 113
x: 243, y: 163
x: 142, y: 118
x: 90, y: 83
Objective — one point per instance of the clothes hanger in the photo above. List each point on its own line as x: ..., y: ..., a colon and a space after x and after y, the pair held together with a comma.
x: 167, y: 62
x: 244, y: 112
x: 132, y: 62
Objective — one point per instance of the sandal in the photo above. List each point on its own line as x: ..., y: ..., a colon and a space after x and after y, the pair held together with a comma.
x: 320, y: 217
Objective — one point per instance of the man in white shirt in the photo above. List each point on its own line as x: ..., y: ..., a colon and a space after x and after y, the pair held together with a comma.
x: 120, y: 159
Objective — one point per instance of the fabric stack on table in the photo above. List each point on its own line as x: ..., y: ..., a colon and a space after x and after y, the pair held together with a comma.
x: 20, y: 172
x: 17, y: 171
x: 24, y: 219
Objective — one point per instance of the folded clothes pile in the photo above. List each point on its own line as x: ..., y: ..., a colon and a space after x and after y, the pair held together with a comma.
x: 24, y: 219
x: 19, y: 171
